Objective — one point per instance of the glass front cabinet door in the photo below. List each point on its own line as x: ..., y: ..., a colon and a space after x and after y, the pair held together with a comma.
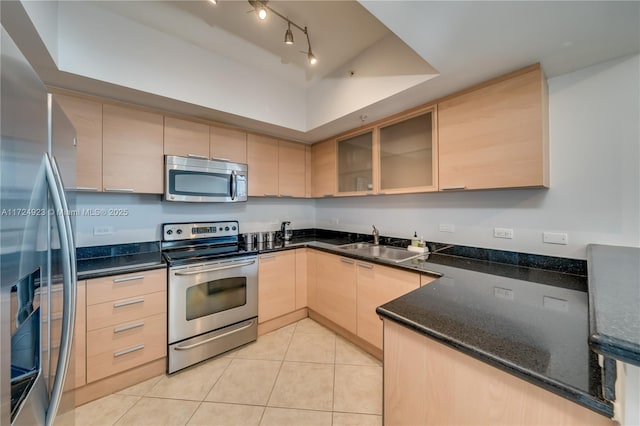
x: 408, y: 154
x: 355, y: 164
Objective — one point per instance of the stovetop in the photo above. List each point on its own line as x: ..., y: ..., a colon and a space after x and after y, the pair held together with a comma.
x: 196, y: 242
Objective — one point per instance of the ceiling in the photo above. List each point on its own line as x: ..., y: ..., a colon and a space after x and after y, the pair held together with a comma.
x: 376, y: 58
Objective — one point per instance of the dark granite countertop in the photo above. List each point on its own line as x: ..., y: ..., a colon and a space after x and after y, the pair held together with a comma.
x: 101, y: 261
x: 614, y: 295
x: 532, y: 328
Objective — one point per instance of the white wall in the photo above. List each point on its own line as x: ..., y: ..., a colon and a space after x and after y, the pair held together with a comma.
x: 595, y: 180
x: 96, y: 43
x: 147, y: 212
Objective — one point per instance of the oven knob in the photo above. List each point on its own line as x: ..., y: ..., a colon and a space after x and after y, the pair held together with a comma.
x: 226, y: 228
x: 179, y: 231
x: 169, y: 232
x: 233, y: 228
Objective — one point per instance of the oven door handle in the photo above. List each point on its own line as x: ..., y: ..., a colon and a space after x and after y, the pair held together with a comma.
x: 236, y: 265
x: 211, y: 339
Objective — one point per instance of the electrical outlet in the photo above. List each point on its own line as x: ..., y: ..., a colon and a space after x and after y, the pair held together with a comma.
x: 503, y: 293
x: 102, y: 230
x: 555, y: 238
x: 503, y: 233
x: 445, y: 227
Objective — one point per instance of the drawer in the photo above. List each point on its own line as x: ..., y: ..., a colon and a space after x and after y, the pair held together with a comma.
x: 117, y: 287
x: 113, y: 349
x: 125, y: 310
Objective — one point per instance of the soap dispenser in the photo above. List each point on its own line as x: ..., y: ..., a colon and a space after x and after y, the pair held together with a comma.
x: 415, y: 242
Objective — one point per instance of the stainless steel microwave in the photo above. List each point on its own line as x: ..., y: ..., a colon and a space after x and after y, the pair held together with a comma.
x: 204, y: 181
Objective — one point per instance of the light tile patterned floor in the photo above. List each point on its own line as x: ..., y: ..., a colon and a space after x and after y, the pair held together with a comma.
x: 302, y: 374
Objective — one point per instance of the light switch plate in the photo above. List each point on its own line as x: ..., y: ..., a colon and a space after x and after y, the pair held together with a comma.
x: 503, y: 233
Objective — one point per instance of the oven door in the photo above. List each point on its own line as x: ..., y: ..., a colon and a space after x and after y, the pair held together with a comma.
x: 212, y: 295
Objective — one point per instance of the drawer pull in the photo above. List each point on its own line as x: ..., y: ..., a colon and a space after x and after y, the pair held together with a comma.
x: 128, y: 302
x: 85, y: 188
x: 452, y: 188
x: 128, y: 350
x: 221, y: 159
x: 349, y: 261
x: 270, y: 195
x: 119, y: 189
x: 128, y: 327
x: 267, y: 256
x: 365, y: 265
x: 211, y: 339
x: 125, y: 279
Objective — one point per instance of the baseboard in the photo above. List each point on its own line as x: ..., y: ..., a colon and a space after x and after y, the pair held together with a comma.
x: 282, y: 321
x: 361, y: 343
x: 117, y: 382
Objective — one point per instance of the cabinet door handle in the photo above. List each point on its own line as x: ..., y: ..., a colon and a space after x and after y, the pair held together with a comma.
x: 451, y: 188
x: 365, y: 265
x: 85, y: 188
x: 128, y: 350
x: 327, y: 195
x: 221, y: 159
x: 202, y: 157
x: 349, y: 261
x: 267, y: 256
x: 270, y: 195
x: 286, y: 196
x: 125, y: 279
x: 128, y: 327
x: 128, y: 302
x: 119, y: 189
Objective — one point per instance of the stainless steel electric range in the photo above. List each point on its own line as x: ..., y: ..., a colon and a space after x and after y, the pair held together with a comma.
x: 212, y: 291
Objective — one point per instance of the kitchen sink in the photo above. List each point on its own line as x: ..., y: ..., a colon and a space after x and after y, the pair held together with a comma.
x: 392, y: 254
x: 354, y: 246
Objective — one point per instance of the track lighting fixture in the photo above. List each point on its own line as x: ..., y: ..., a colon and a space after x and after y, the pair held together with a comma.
x: 261, y: 8
x: 288, y: 35
x: 214, y: 1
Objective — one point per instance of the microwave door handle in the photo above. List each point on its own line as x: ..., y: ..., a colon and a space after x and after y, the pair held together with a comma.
x: 234, y: 185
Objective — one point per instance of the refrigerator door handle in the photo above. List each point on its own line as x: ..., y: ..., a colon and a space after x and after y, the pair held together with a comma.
x: 69, y: 293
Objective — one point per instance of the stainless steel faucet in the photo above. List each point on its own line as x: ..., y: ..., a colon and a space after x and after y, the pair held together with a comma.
x: 376, y: 235
x: 286, y: 235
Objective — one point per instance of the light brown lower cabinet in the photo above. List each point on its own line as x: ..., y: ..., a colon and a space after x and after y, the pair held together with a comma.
x: 276, y: 284
x: 428, y: 383
x: 126, y: 322
x: 335, y: 289
x: 378, y: 285
x: 302, y: 275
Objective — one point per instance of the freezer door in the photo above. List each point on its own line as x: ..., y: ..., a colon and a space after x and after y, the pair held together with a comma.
x: 24, y: 242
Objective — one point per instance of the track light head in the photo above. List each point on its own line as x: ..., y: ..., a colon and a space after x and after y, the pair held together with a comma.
x: 312, y: 58
x: 288, y: 35
x: 214, y: 1
x: 262, y: 12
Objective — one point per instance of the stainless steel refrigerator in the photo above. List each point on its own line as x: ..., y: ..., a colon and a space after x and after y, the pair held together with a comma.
x: 37, y: 252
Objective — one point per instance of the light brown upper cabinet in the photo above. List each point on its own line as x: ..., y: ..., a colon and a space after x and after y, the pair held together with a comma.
x: 496, y: 135
x: 86, y: 117
x: 227, y: 144
x: 132, y: 150
x: 356, y: 174
x: 262, y: 158
x: 323, y: 168
x: 291, y: 169
x: 186, y: 138
x: 409, y: 154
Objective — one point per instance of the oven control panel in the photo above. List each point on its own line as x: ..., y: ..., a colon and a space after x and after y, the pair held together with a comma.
x: 192, y: 231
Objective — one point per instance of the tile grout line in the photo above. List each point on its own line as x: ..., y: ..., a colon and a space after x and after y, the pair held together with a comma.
x: 279, y: 370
